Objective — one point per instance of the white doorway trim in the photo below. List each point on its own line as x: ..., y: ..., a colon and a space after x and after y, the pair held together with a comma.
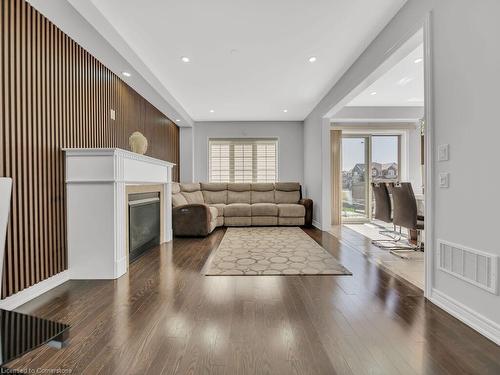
x: 429, y: 158
x: 404, y: 45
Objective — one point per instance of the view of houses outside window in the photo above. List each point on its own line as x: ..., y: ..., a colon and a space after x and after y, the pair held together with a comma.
x: 385, y: 155
x: 384, y: 162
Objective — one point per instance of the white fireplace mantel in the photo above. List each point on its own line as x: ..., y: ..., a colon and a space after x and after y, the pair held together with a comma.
x: 96, y: 182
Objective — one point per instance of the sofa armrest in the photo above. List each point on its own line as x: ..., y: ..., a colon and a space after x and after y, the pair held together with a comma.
x: 308, y: 204
x: 191, y: 220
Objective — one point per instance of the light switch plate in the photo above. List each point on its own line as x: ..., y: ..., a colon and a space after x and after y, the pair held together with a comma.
x: 113, y: 114
x: 444, y: 152
x: 444, y: 180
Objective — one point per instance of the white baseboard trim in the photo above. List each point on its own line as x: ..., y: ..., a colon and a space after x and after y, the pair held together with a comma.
x: 26, y: 295
x: 473, y: 319
x: 316, y: 224
x: 121, y: 267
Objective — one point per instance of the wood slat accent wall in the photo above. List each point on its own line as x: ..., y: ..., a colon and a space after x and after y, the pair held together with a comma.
x: 54, y: 94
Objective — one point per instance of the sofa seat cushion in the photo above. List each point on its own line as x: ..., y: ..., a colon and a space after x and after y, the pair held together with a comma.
x: 238, y: 210
x: 237, y: 221
x: 264, y: 209
x: 219, y: 207
x: 265, y: 220
x: 220, y: 221
x: 214, y: 213
x: 291, y: 221
x: 291, y: 210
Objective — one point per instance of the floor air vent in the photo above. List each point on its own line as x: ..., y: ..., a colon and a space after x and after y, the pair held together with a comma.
x: 474, y: 266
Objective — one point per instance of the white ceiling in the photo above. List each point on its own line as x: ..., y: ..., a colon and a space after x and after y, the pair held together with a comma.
x: 401, y: 86
x: 249, y: 59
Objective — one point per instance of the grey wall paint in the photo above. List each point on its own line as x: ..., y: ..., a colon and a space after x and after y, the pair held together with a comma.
x: 465, y: 67
x: 290, y: 147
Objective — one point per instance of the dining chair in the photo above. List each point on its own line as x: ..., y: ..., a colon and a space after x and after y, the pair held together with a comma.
x: 383, y: 212
x: 405, y: 213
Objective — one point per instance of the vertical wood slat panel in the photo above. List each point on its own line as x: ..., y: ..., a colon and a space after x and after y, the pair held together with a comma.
x: 54, y: 94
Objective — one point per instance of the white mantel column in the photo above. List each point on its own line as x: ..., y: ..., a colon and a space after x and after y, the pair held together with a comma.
x: 96, y: 181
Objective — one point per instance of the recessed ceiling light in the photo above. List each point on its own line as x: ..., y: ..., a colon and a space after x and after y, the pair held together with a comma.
x: 185, y: 59
x: 285, y: 110
x: 312, y: 59
x: 404, y: 81
x: 212, y: 111
x: 126, y: 74
x: 178, y: 120
x: 373, y: 93
x: 418, y: 61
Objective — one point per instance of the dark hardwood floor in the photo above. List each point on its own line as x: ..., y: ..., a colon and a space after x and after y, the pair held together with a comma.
x: 165, y: 317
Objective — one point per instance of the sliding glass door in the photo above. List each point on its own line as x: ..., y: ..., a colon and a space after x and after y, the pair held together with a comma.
x: 366, y: 158
x: 355, y: 178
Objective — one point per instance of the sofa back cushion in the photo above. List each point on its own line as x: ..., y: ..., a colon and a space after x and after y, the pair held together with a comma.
x: 192, y: 193
x: 287, y: 192
x: 214, y: 193
x: 177, y: 198
x: 176, y: 188
x: 262, y: 193
x: 238, y: 193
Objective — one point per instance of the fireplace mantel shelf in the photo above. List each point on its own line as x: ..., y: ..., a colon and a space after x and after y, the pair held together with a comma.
x: 115, y: 151
x: 96, y: 183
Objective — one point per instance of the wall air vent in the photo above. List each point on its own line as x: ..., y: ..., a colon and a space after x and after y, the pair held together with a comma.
x: 474, y: 266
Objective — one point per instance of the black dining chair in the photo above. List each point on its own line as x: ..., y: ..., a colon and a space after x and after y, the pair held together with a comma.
x: 383, y: 212
x: 405, y: 213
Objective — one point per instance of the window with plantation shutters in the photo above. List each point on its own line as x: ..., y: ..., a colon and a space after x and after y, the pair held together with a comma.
x: 243, y: 160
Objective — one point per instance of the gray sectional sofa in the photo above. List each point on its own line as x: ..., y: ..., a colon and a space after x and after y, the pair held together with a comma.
x: 198, y: 208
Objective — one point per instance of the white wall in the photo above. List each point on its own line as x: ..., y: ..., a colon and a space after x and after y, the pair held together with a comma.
x: 465, y: 65
x: 290, y: 145
x: 414, y: 168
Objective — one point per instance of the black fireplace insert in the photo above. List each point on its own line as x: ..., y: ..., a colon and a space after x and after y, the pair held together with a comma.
x: 144, y: 223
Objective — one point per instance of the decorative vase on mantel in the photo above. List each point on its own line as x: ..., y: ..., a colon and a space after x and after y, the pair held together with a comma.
x: 138, y: 143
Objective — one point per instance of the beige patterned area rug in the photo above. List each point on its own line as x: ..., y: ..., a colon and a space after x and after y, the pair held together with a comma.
x: 271, y: 251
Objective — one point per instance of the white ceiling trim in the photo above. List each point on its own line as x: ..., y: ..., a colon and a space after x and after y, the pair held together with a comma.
x: 379, y: 114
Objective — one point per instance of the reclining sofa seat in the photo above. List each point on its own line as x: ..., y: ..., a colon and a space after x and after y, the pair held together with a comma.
x: 198, y: 208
